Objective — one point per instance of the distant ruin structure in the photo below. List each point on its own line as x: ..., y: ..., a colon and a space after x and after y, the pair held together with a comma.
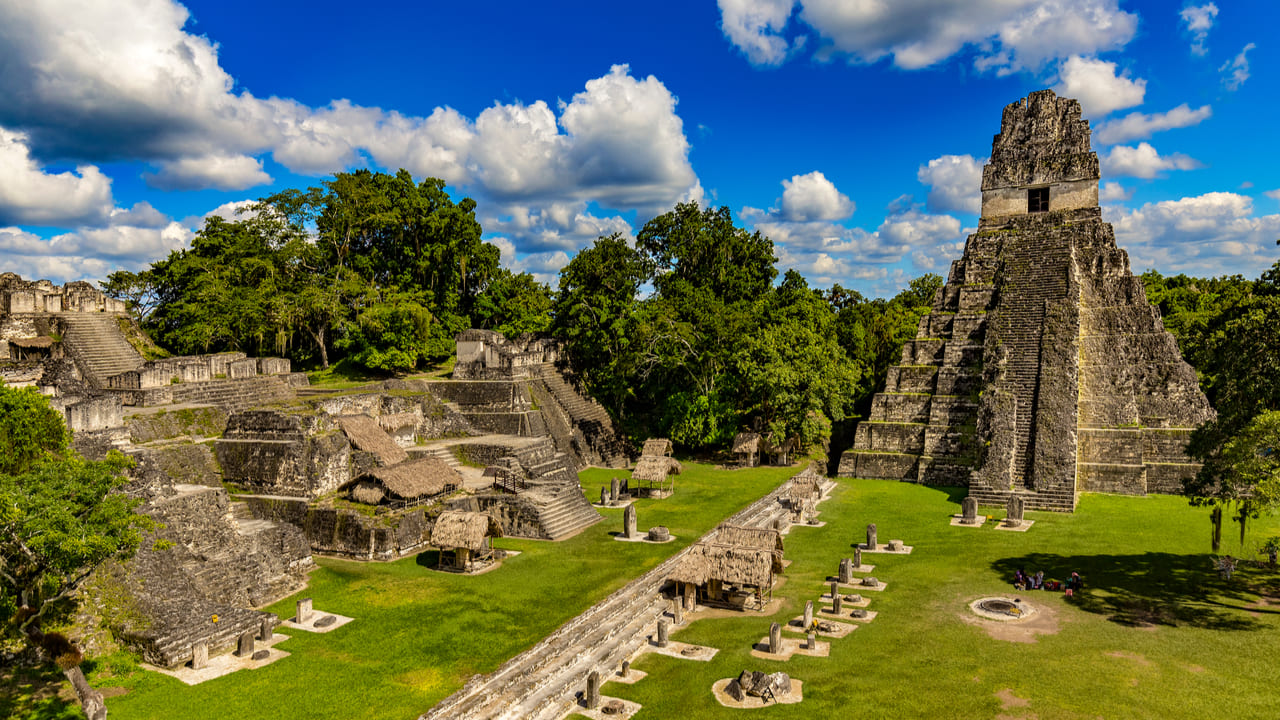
x: 1042, y: 370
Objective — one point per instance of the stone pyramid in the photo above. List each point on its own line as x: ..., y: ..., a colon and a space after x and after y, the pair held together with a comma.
x: 1042, y: 370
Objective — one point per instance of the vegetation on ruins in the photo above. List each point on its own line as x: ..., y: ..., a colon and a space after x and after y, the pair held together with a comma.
x: 374, y: 267
x: 61, y: 517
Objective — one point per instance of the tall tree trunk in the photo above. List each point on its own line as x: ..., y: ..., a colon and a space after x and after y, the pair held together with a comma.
x: 90, y: 700
x: 1216, y: 518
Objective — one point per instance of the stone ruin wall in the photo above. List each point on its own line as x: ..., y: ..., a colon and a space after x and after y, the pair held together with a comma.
x: 1041, y: 370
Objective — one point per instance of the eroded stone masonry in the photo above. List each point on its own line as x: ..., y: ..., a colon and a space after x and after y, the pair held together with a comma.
x: 361, y: 473
x: 1042, y: 370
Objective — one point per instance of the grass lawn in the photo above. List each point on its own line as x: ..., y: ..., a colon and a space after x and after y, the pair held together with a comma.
x: 420, y: 634
x: 1155, y: 634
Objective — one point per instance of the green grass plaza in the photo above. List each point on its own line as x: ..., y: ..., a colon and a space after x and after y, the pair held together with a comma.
x: 1156, y: 632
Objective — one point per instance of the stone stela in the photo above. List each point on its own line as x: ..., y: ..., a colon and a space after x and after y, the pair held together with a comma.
x: 629, y: 523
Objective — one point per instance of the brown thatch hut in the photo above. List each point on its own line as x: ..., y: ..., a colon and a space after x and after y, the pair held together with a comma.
x: 782, y: 453
x: 734, y: 576
x: 463, y: 539
x: 746, y: 449
x: 365, y: 434
x: 656, y: 447
x: 757, y: 538
x: 32, y: 348
x: 408, y: 483
x: 656, y: 475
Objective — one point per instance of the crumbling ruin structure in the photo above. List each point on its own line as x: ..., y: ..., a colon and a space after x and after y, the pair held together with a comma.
x: 521, y: 376
x: 1042, y: 370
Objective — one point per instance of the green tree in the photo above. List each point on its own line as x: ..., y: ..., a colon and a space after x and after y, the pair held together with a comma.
x: 706, y: 250
x: 1243, y: 474
x: 794, y: 375
x: 512, y: 304
x: 61, y: 517
x: 593, y: 316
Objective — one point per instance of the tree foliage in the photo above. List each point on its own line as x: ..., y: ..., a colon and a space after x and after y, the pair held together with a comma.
x: 378, y: 268
x: 1229, y: 329
x: 716, y: 347
x: 61, y: 517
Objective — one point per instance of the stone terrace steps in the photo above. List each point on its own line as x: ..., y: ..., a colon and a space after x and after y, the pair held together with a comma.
x: 237, y: 395
x: 583, y: 410
x: 540, y: 683
x: 102, y: 349
x: 566, y: 513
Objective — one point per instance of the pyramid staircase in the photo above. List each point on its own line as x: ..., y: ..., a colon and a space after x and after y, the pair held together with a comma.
x: 588, y: 419
x: 100, y: 349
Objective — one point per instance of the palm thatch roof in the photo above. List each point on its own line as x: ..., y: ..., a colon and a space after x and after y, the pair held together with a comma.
x: 804, y: 487
x: 746, y: 443
x: 365, y: 434
x: 458, y: 529
x: 750, y: 537
x: 656, y: 447
x: 655, y: 469
x: 412, y: 480
x: 397, y: 421
x: 727, y: 563
x: 42, y: 341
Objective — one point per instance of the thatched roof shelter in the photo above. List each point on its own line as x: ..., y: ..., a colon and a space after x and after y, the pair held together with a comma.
x: 656, y: 447
x: 365, y: 434
x: 746, y: 443
x: 407, y: 481
x: 655, y: 469
x: 458, y: 529
x: 43, y: 341
x: 804, y: 487
x: 751, y: 537
x: 735, y: 564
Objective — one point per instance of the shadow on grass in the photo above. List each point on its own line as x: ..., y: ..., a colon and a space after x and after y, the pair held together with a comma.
x: 428, y: 559
x: 1155, y: 588
x: 955, y: 494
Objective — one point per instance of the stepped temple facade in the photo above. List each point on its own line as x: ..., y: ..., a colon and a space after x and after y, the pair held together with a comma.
x: 1042, y: 370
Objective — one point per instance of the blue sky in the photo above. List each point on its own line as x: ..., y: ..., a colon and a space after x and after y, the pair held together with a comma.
x: 852, y: 132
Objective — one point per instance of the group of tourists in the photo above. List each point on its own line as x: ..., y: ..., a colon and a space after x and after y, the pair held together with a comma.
x: 1022, y: 580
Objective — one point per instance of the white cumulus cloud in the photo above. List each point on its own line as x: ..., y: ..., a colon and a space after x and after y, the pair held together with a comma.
x: 1097, y: 86
x: 31, y: 196
x: 812, y: 197
x: 1212, y: 234
x: 955, y: 183
x: 1143, y: 161
x: 125, y: 80
x: 1004, y: 35
x: 1111, y: 191
x: 1198, y: 20
x: 1138, y: 125
x: 90, y: 253
x: 224, y: 172
x: 756, y: 26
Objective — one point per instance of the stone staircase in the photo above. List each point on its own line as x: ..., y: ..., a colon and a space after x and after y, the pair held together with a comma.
x: 587, y: 417
x: 100, y: 349
x: 565, y: 513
